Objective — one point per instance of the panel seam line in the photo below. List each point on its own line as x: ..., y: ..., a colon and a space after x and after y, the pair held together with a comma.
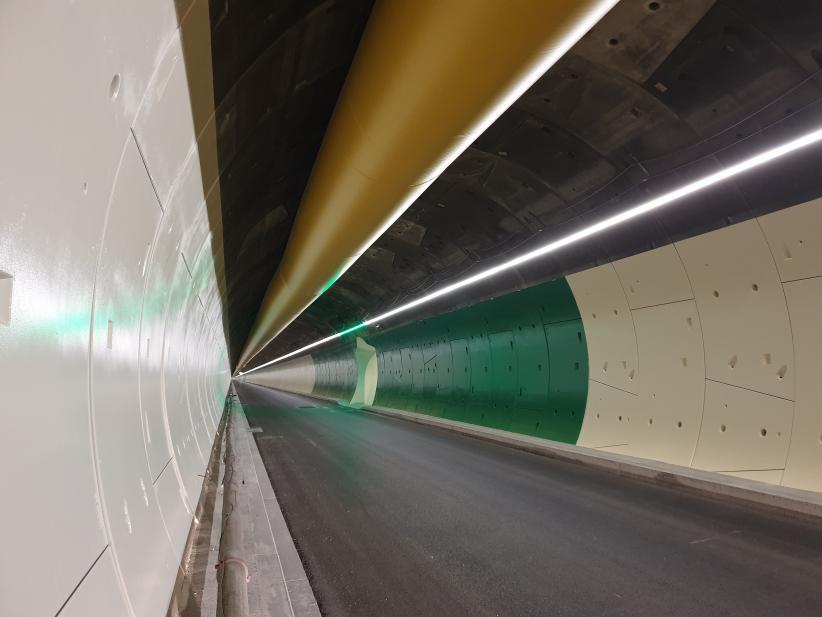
x: 83, y: 578
x: 724, y: 383
x: 145, y: 165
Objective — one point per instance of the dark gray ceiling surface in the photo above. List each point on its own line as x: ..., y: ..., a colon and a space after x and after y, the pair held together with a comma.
x: 278, y: 67
x: 658, y: 94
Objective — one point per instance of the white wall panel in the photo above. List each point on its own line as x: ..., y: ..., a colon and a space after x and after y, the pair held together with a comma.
x: 180, y: 424
x: 174, y: 508
x: 58, y: 170
x: 609, y: 417
x: 139, y: 542
x: 654, y: 277
x: 168, y: 384
x: 204, y: 431
x: 669, y: 340
x: 160, y: 276
x: 197, y: 380
x: 99, y: 593
x: 742, y: 307
x: 793, y: 235
x: 718, y: 370
x: 298, y: 375
x: 609, y: 329
x: 165, y: 127
x: 83, y: 75
x: 743, y: 430
x: 187, y: 196
x: 804, y: 466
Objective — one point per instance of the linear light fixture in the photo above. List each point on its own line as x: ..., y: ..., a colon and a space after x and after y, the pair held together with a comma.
x: 612, y: 221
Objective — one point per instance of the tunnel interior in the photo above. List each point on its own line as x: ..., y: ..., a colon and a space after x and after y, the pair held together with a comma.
x: 159, y: 159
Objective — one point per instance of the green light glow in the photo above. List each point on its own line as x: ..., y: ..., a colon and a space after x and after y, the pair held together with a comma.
x: 331, y: 281
x: 352, y: 329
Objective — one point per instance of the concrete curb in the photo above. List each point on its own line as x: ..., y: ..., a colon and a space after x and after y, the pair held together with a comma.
x: 253, y: 536
x: 301, y: 597
x: 787, y: 501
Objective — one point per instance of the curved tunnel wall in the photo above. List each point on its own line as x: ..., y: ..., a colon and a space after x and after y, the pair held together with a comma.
x: 706, y: 352
x: 516, y: 363
x: 703, y: 353
x: 112, y: 354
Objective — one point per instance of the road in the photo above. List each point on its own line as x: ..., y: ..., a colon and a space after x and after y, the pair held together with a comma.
x: 396, y: 519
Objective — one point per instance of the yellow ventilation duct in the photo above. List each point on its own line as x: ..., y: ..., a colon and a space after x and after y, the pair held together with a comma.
x: 429, y: 76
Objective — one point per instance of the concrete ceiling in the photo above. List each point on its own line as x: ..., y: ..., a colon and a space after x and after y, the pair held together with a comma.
x: 657, y: 94
x: 279, y: 66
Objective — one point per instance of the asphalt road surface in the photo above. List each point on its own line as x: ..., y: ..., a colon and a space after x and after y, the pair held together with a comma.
x: 396, y: 519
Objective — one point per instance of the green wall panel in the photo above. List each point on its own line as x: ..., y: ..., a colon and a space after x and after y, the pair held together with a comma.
x: 480, y: 401
x: 502, y: 378
x: 443, y: 365
x: 518, y: 362
x: 460, y: 380
x: 417, y: 398
x: 569, y: 379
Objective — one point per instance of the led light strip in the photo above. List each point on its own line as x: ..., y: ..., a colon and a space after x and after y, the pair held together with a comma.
x: 612, y: 221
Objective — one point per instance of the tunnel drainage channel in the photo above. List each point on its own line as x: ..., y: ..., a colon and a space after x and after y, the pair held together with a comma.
x: 255, y: 550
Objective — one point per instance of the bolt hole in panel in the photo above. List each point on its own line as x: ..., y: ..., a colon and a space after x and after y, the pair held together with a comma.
x: 114, y: 86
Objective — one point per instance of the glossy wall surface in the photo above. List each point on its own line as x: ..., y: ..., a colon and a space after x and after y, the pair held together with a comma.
x: 516, y: 363
x: 112, y: 356
x: 704, y: 353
